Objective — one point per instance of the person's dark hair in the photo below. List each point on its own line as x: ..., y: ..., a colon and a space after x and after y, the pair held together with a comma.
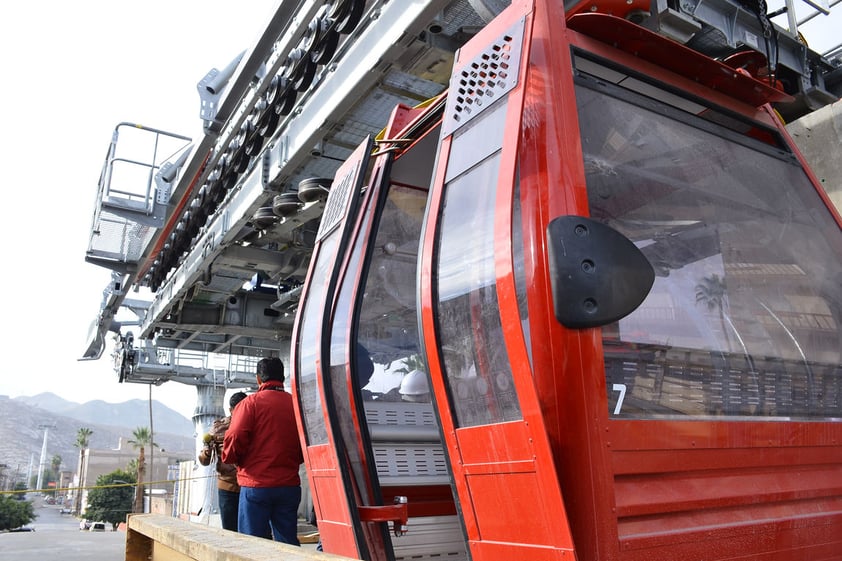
x: 270, y: 369
x: 236, y: 398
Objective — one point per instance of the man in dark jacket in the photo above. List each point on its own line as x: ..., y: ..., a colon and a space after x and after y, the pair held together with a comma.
x: 263, y: 442
x: 228, y: 490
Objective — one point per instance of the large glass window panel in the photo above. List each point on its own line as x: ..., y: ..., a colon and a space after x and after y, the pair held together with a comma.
x: 388, y: 320
x: 743, y: 318
x: 477, y: 369
x: 519, y: 264
x: 308, y: 387
x: 339, y: 348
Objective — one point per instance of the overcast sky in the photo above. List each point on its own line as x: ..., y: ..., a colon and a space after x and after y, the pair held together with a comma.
x: 72, y: 72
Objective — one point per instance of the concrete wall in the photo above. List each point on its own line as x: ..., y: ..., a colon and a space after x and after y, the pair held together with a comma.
x: 819, y: 137
x: 152, y: 537
x: 96, y: 462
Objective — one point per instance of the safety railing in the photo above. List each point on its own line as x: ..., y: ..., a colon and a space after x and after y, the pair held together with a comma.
x: 132, y: 196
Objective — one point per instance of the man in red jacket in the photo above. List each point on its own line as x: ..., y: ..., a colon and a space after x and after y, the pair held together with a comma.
x: 263, y: 443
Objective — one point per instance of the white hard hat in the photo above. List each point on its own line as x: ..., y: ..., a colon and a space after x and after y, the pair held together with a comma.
x: 414, y: 383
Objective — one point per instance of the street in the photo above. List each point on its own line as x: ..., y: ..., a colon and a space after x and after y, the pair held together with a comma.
x: 57, y: 536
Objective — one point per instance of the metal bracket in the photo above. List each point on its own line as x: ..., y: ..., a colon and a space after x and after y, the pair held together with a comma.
x: 210, y: 93
x: 397, y: 514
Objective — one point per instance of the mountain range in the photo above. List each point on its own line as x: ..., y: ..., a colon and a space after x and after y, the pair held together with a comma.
x: 23, y: 421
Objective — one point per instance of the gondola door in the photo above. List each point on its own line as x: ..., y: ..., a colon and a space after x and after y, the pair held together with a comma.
x: 474, y: 331
x: 335, y: 492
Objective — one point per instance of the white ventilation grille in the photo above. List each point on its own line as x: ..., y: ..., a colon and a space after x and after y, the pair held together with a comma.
x: 410, y: 461
x: 337, y: 202
x: 483, y: 80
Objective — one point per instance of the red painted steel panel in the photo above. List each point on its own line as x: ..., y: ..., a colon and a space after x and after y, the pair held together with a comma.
x: 505, y: 492
x: 571, y: 396
x: 765, y: 487
x: 630, y: 462
x: 506, y: 467
x: 735, y: 541
x: 512, y: 552
x: 697, y: 490
x: 423, y: 500
x: 675, y: 57
x: 326, y: 486
x: 492, y: 444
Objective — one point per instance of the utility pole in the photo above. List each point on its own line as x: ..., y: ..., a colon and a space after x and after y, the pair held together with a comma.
x: 29, y: 471
x: 43, y: 462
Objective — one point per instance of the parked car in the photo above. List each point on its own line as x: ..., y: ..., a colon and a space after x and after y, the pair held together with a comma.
x: 97, y: 527
x: 66, y: 510
x: 23, y: 529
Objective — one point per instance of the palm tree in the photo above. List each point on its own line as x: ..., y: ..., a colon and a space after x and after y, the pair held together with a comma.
x: 713, y: 293
x: 83, y: 436
x: 142, y: 437
x: 55, y: 463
